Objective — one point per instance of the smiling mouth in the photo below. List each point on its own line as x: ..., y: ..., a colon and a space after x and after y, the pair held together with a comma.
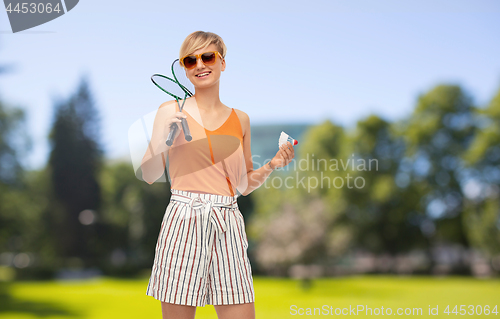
x: 202, y: 75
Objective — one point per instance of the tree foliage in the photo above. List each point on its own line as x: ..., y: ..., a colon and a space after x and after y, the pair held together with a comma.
x: 482, y: 207
x: 74, y: 163
x: 408, y: 186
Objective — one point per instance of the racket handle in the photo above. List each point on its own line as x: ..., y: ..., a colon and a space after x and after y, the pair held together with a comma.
x: 171, y: 135
x: 185, y: 129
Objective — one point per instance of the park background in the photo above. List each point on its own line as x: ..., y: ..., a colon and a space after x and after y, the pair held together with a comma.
x: 414, y: 86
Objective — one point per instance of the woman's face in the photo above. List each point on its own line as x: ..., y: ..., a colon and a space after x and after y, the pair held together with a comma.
x: 214, y: 71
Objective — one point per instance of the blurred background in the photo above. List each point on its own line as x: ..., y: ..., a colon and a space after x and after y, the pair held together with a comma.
x: 396, y: 107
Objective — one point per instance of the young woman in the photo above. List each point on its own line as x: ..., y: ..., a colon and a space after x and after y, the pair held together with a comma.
x: 201, y: 253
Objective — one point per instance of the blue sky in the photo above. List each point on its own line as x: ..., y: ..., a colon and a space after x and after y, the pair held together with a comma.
x: 293, y: 62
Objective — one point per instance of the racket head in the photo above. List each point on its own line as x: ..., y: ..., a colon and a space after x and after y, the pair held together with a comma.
x: 169, y: 86
x: 179, y: 74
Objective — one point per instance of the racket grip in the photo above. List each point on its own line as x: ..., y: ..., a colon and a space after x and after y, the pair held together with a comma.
x: 171, y: 135
x: 185, y: 129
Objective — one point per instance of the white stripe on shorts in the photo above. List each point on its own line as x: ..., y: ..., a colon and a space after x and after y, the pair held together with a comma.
x: 201, y: 253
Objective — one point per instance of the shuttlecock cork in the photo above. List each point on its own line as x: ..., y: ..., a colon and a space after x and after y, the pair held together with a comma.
x: 286, y: 138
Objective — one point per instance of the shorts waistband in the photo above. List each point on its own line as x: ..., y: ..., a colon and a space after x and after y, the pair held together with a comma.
x: 212, y: 206
x: 217, y: 200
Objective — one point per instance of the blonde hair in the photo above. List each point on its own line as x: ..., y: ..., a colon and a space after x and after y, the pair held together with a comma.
x: 200, y: 39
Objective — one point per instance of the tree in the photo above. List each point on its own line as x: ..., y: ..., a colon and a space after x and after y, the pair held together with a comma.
x: 297, y: 223
x: 74, y: 164
x: 437, y: 135
x: 14, y: 144
x: 381, y: 201
x: 133, y: 211
x: 482, y: 187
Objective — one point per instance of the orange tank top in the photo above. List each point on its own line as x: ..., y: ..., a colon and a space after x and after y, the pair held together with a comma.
x: 212, y: 162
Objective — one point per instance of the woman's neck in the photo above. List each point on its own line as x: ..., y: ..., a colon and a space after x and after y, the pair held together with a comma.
x: 208, y: 99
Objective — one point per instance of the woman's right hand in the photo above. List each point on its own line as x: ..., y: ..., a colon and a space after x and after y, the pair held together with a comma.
x: 175, y: 119
x: 284, y: 156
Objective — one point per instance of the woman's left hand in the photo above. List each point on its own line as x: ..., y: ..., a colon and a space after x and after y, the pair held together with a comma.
x: 284, y: 156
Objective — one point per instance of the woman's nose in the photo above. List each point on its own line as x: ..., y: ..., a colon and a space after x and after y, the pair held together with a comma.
x: 199, y: 63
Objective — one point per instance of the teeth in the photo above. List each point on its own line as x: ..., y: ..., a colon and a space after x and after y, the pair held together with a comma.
x: 203, y: 74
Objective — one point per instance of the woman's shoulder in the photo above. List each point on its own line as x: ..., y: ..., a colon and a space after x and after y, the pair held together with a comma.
x: 168, y: 108
x: 242, y: 115
x: 244, y: 120
x: 169, y: 104
x: 165, y: 110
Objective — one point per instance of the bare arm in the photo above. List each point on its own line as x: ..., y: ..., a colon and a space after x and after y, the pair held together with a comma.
x: 154, y: 160
x: 257, y: 177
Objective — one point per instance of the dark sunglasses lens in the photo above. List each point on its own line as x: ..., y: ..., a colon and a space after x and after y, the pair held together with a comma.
x: 208, y: 58
x: 189, y: 61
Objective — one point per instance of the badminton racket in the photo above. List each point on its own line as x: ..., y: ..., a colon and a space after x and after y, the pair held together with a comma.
x: 179, y: 92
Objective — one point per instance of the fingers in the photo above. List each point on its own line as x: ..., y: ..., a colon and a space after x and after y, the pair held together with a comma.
x: 178, y: 116
x: 284, y: 155
x: 290, y: 152
x: 287, y: 153
x: 293, y: 150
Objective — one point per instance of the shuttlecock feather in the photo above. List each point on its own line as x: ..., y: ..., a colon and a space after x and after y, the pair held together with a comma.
x: 286, y: 138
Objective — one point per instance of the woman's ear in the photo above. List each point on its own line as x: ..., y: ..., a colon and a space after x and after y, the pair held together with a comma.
x: 223, y: 65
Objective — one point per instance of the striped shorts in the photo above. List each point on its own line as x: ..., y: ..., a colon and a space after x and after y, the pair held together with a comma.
x: 201, y: 253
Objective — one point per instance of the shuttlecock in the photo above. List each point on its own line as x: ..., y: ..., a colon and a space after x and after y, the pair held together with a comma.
x: 286, y: 138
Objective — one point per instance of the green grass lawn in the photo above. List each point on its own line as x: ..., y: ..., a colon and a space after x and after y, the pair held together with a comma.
x: 111, y: 298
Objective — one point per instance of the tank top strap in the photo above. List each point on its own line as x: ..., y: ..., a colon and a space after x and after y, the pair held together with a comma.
x: 232, y: 126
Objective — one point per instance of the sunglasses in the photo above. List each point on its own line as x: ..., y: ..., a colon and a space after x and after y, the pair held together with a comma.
x: 208, y: 58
